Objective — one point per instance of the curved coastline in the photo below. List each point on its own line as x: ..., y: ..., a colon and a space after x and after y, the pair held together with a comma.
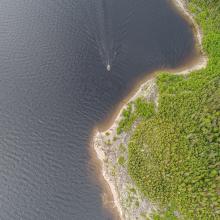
x: 148, y: 89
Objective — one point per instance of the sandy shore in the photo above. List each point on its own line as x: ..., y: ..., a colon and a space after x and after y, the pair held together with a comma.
x: 107, y: 143
x: 107, y: 148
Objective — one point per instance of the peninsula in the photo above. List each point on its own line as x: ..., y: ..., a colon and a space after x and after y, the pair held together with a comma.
x: 161, y: 155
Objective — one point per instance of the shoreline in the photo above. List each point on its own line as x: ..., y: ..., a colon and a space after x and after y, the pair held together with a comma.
x: 146, y: 88
x: 97, y: 178
x: 196, y: 64
x: 192, y: 64
x: 109, y: 158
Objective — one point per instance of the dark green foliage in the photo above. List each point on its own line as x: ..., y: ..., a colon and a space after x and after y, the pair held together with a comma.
x: 121, y: 160
x: 174, y: 155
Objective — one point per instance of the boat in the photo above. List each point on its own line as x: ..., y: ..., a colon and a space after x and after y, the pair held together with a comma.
x: 108, y: 67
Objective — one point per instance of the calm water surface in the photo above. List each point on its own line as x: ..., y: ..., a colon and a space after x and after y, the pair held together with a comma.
x: 54, y: 88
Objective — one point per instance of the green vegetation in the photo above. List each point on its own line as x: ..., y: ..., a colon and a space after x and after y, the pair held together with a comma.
x: 168, y: 214
x: 113, y: 171
x: 131, y: 198
x: 114, y: 138
x: 107, y: 133
x: 174, y: 153
x: 122, y: 148
x: 138, y: 109
x: 121, y: 161
x: 108, y: 142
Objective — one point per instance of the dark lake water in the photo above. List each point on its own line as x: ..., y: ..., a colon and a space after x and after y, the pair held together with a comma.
x: 54, y: 88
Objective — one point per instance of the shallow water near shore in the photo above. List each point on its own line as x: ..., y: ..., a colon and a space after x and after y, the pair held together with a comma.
x: 54, y: 89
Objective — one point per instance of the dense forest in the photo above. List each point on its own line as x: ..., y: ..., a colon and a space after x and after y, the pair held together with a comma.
x: 174, y: 153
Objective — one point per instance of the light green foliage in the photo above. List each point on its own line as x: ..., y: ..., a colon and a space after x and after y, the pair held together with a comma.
x: 138, y: 109
x: 143, y: 109
x: 127, y: 120
x: 174, y: 155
